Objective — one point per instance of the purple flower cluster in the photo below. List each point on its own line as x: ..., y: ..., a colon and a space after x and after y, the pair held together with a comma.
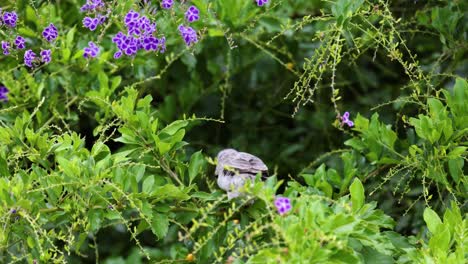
x: 20, y: 42
x: 45, y: 56
x: 139, y: 36
x: 4, y: 93
x: 29, y: 57
x: 188, y: 34
x: 10, y: 18
x: 92, y: 23
x: 283, y: 205
x: 6, y: 47
x: 167, y: 4
x: 91, y: 51
x: 261, y: 2
x: 192, y: 14
x: 345, y: 120
x: 138, y: 25
x: 50, y: 33
x: 92, y: 5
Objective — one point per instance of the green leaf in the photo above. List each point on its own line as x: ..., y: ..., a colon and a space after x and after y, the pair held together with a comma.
x: 432, y: 220
x: 452, y: 218
x: 100, y: 151
x: 341, y: 224
x: 103, y: 82
x: 113, y: 215
x: 30, y: 241
x: 31, y: 14
x: 148, y: 184
x: 356, y: 144
x: 457, y: 103
x: 456, y: 169
x: 128, y: 136
x: 326, y: 188
x: 94, y: 220
x: 435, y: 107
x: 70, y: 37
x: 4, y: 172
x: 373, y: 256
x: 163, y: 147
x: 172, y: 128
x: 357, y: 194
x: 361, y: 123
x: 206, y: 196
x: 166, y: 142
x: 66, y: 53
x: 159, y: 225
x: 197, y: 162
x: 457, y: 152
x: 334, y: 177
x: 440, y: 240
x: 115, y: 82
x: 169, y: 191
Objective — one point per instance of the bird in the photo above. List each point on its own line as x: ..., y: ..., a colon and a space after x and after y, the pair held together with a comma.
x: 234, y: 168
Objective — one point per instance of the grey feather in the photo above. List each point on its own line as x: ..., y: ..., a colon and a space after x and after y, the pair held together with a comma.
x: 234, y: 168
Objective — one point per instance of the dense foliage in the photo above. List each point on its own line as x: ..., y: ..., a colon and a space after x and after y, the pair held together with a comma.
x: 112, y: 113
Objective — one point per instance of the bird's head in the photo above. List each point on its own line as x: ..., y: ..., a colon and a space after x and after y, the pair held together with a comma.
x: 222, y: 157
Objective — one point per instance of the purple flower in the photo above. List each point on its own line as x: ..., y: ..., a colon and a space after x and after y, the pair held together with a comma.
x: 162, y: 44
x: 90, y: 23
x: 150, y: 43
x: 118, y: 54
x: 139, y: 25
x: 29, y: 57
x: 188, y: 34
x: 6, y: 47
x: 134, y: 22
x: 50, y: 33
x: 126, y: 44
x: 283, y: 205
x: 91, y: 5
x: 345, y: 120
x: 130, y: 17
x: 45, y: 56
x: 130, y: 46
x: 261, y: 2
x: 167, y: 4
x: 19, y: 42
x: 85, y: 8
x: 91, y: 51
x: 145, y: 25
x: 12, y: 211
x: 101, y: 19
x: 10, y: 18
x: 119, y: 38
x: 4, y: 94
x: 192, y: 14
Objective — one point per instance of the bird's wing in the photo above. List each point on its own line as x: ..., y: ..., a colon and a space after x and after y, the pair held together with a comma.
x: 245, y: 162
